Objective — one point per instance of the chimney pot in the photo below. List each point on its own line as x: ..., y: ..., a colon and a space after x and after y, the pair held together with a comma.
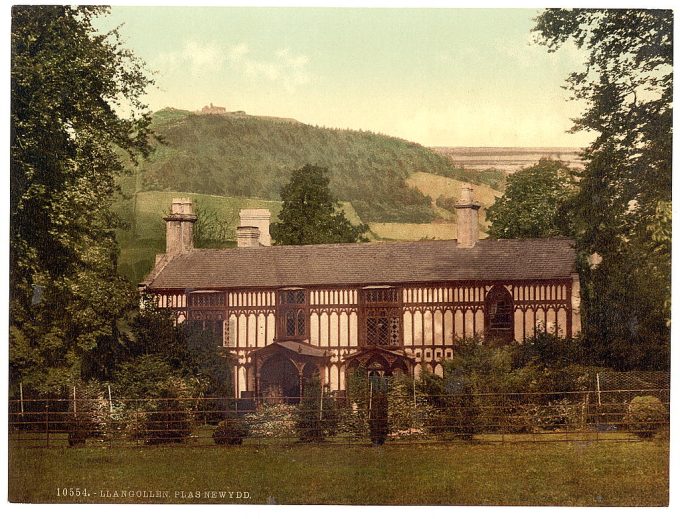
x: 467, y: 215
x: 247, y: 236
x: 179, y: 227
x: 259, y: 218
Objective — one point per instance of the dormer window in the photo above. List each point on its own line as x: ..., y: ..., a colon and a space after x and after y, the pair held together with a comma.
x: 293, y: 314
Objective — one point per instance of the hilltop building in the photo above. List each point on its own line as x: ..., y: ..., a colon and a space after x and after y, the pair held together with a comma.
x: 213, y: 109
x: 288, y: 312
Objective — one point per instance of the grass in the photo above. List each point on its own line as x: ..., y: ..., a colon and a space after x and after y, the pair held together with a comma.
x: 414, y: 231
x: 544, y: 473
x: 436, y: 185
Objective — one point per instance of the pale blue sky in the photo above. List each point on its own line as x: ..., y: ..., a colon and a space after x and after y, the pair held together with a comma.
x: 440, y: 77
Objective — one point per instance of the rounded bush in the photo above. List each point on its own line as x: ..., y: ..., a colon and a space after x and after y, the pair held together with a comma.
x: 230, y: 431
x: 645, y: 416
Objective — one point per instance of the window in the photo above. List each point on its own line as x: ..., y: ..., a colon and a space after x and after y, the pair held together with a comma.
x: 206, y: 299
x: 382, y: 317
x: 206, y: 315
x: 207, y: 330
x: 499, y: 318
x: 382, y: 330
x: 500, y: 315
x: 292, y: 312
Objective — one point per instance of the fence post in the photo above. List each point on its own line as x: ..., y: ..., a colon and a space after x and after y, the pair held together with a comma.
x: 21, y: 399
x: 110, y: 400
x: 75, y: 410
x: 415, y: 403
x: 504, y: 416
x: 47, y: 424
x: 321, y: 405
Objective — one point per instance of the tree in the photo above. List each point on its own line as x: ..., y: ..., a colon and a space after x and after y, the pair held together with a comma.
x: 211, y: 228
x: 75, y: 107
x: 620, y: 209
x: 532, y: 205
x: 310, y: 212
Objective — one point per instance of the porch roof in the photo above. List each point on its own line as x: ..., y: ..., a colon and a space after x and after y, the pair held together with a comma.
x: 299, y: 347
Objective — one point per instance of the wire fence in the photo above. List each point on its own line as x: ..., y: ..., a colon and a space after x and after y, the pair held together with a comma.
x: 379, y: 416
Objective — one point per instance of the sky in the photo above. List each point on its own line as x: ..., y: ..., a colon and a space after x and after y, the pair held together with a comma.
x: 439, y: 77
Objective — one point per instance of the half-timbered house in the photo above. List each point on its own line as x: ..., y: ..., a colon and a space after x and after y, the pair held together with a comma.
x: 286, y: 313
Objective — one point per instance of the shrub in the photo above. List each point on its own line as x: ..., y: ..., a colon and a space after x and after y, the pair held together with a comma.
x: 135, y: 424
x: 230, y: 431
x: 645, y: 416
x: 272, y: 421
x: 558, y: 414
x: 158, y: 406
x: 353, y: 421
x: 315, y: 416
x: 168, y: 417
x: 460, y: 414
x: 170, y: 421
x: 89, y: 415
x: 403, y: 416
x: 378, y: 418
x: 457, y: 411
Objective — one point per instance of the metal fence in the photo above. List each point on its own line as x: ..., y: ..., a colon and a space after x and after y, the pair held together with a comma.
x: 376, y: 417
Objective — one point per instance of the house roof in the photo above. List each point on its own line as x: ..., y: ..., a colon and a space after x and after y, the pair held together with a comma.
x: 363, y: 263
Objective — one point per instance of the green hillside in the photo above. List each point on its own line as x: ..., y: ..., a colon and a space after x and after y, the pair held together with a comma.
x: 234, y: 161
x: 247, y: 156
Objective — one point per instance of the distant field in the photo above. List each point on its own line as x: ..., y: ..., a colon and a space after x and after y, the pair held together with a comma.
x: 414, y: 231
x: 146, y: 236
x: 577, y: 473
x: 507, y: 160
x: 436, y: 185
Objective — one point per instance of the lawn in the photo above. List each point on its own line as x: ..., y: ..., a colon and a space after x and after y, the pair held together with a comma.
x: 606, y: 473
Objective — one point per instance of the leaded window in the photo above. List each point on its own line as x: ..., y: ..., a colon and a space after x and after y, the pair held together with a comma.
x: 382, y: 317
x: 383, y: 330
x: 206, y: 314
x: 293, y: 313
x: 206, y: 299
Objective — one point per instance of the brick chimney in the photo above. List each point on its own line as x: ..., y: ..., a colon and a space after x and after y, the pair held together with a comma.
x: 247, y: 236
x: 179, y: 227
x: 259, y: 218
x: 467, y: 215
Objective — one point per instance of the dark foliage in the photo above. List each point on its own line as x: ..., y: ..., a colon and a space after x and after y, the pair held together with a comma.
x: 231, y: 431
x: 622, y: 208
x: 316, y: 415
x: 310, y: 213
x: 378, y: 418
x: 533, y: 204
x: 67, y: 84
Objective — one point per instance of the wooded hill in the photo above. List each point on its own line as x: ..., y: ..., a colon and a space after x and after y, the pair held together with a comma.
x: 232, y: 161
x: 239, y: 155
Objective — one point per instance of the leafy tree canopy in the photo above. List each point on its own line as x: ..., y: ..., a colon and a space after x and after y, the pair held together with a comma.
x: 621, y: 208
x: 75, y: 106
x: 310, y: 212
x: 531, y: 206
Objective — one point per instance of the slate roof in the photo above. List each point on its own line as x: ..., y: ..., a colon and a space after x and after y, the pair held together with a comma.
x: 365, y: 263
